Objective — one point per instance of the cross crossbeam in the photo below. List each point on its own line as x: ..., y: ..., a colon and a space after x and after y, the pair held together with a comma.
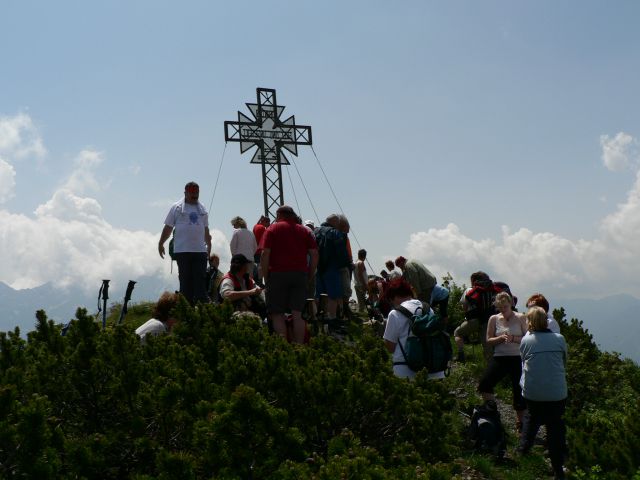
x: 272, y: 136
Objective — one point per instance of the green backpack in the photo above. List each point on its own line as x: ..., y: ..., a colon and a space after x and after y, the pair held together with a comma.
x: 428, y: 345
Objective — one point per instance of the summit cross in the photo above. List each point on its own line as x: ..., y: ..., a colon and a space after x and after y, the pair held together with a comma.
x: 272, y: 136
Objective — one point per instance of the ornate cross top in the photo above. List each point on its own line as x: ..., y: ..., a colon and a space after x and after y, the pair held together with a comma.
x: 272, y: 136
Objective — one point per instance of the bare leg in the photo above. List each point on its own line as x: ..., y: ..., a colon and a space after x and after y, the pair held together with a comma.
x: 279, y: 325
x: 298, y: 327
x: 332, y: 307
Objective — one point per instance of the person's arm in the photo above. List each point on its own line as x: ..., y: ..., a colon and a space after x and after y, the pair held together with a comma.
x: 491, y: 333
x: 264, y: 263
x: 523, y: 330
x: 360, y: 273
x: 313, y: 261
x: 234, y: 295
x: 254, y: 244
x: 207, y: 240
x: 391, y: 335
x: 166, y: 232
x: 391, y: 346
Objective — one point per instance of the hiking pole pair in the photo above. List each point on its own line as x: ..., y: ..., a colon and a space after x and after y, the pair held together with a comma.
x: 103, y: 294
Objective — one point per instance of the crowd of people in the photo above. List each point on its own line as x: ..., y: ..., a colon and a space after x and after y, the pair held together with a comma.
x: 278, y: 268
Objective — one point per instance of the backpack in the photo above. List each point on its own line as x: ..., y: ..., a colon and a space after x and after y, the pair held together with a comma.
x: 332, y: 249
x: 481, y: 299
x: 428, y: 345
x: 486, y: 430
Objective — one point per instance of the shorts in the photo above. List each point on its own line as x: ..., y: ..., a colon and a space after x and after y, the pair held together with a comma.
x: 329, y: 282
x: 468, y: 327
x: 286, y: 292
x: 345, y: 279
x: 500, y: 367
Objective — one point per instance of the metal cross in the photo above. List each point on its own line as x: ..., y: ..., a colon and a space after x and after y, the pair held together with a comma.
x: 272, y: 136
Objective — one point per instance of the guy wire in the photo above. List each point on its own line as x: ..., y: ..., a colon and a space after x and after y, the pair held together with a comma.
x: 294, y: 193
x: 338, y: 202
x: 305, y: 190
x: 218, y: 177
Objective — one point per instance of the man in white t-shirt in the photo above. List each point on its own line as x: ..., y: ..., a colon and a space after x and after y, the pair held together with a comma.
x: 192, y: 243
x: 360, y: 280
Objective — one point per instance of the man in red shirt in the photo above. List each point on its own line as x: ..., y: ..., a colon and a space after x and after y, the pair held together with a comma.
x: 288, y: 262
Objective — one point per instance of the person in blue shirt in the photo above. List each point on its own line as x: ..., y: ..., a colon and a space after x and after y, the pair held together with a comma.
x: 544, y: 387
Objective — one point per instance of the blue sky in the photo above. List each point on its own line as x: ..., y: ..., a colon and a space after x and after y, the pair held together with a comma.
x: 471, y: 135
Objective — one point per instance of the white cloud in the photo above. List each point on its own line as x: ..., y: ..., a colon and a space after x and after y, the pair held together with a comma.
x: 7, y: 180
x: 66, y: 206
x: 618, y: 153
x: 527, y: 261
x: 69, y: 243
x: 19, y: 138
x: 83, y: 178
x: 546, y: 262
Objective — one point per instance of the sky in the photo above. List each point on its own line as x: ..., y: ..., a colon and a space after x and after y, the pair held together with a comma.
x: 499, y: 136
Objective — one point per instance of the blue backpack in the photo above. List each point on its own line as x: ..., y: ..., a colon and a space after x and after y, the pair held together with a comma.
x: 428, y: 345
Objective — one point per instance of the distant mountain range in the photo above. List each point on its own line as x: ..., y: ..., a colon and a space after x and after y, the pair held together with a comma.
x: 18, y: 307
x: 613, y: 321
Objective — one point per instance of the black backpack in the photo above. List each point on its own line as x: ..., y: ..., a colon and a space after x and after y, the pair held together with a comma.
x: 486, y: 430
x: 481, y: 300
x: 428, y: 345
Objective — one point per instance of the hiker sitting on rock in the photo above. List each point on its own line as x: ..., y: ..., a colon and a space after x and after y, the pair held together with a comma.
x: 238, y: 287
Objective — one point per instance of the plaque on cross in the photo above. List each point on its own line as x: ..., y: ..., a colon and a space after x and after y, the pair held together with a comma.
x: 272, y: 136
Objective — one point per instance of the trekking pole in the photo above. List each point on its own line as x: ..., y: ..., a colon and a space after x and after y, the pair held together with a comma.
x: 104, y: 294
x: 324, y: 300
x: 127, y: 297
x: 310, y: 315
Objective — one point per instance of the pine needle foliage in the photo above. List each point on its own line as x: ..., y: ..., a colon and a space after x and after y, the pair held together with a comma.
x: 222, y: 398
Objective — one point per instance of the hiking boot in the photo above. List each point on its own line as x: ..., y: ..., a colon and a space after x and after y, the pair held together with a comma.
x: 519, y: 427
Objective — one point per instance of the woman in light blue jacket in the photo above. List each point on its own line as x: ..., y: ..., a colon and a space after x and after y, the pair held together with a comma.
x: 544, y: 387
